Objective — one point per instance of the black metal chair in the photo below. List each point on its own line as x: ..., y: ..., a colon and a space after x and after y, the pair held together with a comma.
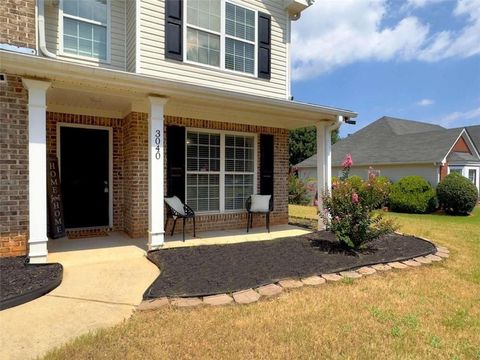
x: 176, y: 209
x: 259, y: 207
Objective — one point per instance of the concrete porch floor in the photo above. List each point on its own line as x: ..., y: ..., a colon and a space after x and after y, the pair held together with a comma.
x: 104, y: 279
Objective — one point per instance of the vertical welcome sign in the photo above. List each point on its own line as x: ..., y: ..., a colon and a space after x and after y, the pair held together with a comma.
x: 56, y: 222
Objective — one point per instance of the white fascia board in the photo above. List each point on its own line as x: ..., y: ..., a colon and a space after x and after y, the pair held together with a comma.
x: 60, y: 70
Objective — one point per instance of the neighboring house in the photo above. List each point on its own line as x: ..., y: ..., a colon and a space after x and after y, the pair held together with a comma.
x: 396, y: 148
x: 143, y: 99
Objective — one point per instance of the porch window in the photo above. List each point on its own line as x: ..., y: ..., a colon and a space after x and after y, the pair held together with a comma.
x: 239, y: 170
x: 85, y: 28
x: 220, y: 172
x: 221, y: 34
x: 203, y: 171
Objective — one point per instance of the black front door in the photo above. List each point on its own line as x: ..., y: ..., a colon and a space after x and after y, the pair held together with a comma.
x: 84, y: 168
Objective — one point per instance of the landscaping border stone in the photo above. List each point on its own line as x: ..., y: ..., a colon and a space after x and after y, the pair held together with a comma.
x: 249, y: 296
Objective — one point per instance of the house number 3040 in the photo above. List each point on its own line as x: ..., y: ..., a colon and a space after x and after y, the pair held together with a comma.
x: 158, y: 141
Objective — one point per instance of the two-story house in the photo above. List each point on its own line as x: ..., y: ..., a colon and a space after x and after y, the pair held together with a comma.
x: 134, y: 100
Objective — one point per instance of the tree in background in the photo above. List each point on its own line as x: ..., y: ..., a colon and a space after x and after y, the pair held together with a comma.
x: 302, y: 143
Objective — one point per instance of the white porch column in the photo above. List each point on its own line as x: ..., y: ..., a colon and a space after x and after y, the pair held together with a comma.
x: 155, y: 172
x: 321, y: 168
x: 37, y: 169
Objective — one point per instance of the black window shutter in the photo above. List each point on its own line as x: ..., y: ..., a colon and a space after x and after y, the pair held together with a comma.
x: 174, y: 29
x: 266, y: 164
x: 176, y: 162
x: 264, y: 45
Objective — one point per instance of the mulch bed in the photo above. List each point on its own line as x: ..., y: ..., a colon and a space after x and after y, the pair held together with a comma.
x: 216, y: 269
x: 21, y: 282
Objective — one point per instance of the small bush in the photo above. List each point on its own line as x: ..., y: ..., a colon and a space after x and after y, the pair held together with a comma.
x: 297, y: 191
x: 412, y: 194
x: 457, y: 195
x: 348, y: 211
x: 355, y: 182
x: 377, y: 190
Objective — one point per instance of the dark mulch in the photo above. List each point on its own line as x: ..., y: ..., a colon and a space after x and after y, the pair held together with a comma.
x: 21, y: 282
x: 214, y: 269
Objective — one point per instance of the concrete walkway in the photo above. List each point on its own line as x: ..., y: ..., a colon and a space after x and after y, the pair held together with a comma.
x: 104, y: 279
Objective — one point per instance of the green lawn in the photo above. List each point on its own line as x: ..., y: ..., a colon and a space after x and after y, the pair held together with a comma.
x: 427, y: 312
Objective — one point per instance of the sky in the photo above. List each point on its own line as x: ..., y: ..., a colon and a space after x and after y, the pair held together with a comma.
x: 411, y: 59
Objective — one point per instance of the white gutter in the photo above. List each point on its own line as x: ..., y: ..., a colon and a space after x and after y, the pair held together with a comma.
x: 328, y: 148
x: 41, y: 30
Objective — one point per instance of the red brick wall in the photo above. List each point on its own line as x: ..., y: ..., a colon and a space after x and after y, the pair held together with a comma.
x: 17, y: 23
x: 135, y: 165
x: 116, y: 124
x: 13, y: 167
x: 443, y: 171
x: 461, y: 146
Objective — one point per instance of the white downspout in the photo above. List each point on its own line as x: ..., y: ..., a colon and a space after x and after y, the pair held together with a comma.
x: 41, y: 30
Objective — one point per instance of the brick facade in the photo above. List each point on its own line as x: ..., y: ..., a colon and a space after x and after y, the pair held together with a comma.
x: 461, y: 146
x: 17, y: 21
x: 135, y: 166
x: 130, y: 169
x: 13, y: 167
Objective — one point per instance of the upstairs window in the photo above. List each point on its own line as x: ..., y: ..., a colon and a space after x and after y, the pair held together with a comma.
x: 85, y: 28
x: 221, y: 34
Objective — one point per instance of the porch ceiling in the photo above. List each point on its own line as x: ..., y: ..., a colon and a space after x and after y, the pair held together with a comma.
x: 95, y: 91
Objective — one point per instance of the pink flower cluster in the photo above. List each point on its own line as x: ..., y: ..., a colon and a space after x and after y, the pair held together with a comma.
x: 347, y: 162
x: 355, y: 198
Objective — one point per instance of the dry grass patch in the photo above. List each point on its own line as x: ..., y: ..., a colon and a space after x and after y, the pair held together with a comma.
x: 427, y: 312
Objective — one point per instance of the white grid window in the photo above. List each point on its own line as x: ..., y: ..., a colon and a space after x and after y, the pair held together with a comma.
x: 203, y: 28
x: 85, y: 28
x: 220, y: 170
x: 240, y: 39
x: 239, y: 170
x: 208, y: 39
x: 203, y: 171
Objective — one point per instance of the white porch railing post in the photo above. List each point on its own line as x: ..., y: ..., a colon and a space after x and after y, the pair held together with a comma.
x: 37, y: 170
x: 155, y: 172
x: 321, y: 169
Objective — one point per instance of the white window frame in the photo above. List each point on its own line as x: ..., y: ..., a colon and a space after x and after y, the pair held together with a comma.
x: 223, y: 37
x: 61, y: 16
x: 222, y: 172
x: 477, y: 170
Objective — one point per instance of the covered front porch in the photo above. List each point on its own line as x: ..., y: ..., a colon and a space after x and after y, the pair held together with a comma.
x: 135, y: 112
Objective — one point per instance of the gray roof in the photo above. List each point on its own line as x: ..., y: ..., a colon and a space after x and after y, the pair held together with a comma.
x: 393, y: 141
x: 462, y: 157
x: 474, y: 132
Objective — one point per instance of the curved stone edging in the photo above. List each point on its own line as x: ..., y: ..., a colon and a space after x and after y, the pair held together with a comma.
x: 248, y: 296
x: 33, y: 294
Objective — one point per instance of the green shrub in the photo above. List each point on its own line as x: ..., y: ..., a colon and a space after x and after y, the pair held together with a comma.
x: 412, y: 194
x: 377, y: 190
x: 348, y: 211
x: 355, y: 181
x: 457, y: 195
x: 297, y: 191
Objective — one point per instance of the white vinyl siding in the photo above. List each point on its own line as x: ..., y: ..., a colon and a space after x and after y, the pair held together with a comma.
x: 220, y: 170
x: 131, y: 35
x: 153, y: 62
x: 116, y: 36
